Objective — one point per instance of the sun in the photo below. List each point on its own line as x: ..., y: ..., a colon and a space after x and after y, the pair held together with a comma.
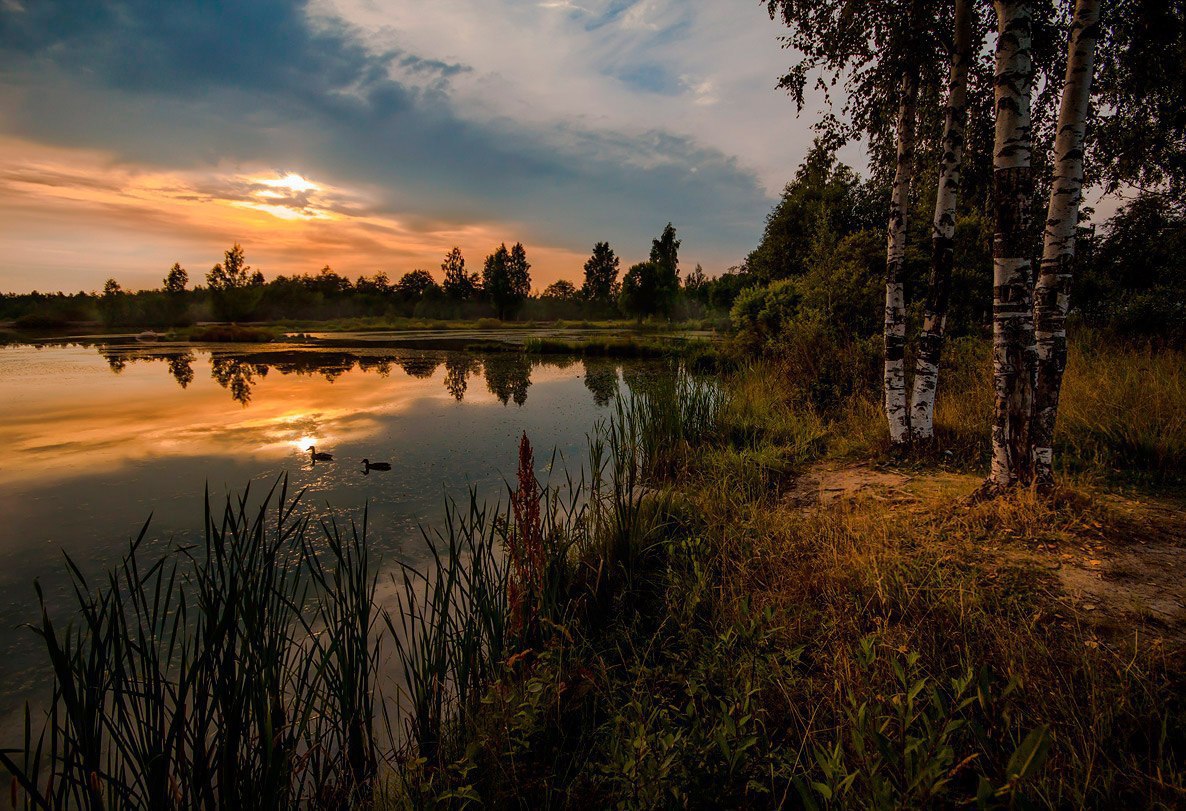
x: 304, y: 443
x: 291, y: 182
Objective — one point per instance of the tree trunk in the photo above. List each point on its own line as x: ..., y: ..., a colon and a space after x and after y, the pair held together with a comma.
x: 1013, y: 350
x: 930, y: 343
x: 1053, y: 292
x: 896, y: 411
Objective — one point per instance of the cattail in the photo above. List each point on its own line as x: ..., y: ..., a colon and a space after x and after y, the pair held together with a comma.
x: 12, y: 792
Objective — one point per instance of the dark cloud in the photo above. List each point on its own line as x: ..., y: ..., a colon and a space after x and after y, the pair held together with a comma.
x: 184, y: 83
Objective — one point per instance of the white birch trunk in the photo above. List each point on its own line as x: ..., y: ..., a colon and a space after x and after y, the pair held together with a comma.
x: 896, y: 411
x: 1052, y: 296
x: 1012, y: 286
x: 930, y: 344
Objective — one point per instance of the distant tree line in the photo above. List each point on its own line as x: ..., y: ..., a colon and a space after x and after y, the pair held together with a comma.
x: 234, y: 291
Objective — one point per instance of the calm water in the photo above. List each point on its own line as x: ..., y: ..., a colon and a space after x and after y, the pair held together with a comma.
x: 96, y: 438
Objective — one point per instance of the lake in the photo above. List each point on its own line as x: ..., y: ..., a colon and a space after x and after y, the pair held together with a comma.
x: 98, y: 437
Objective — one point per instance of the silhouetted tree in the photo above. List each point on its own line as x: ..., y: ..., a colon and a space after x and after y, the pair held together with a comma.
x: 111, y: 303
x: 176, y: 280
x: 601, y: 275
x: 694, y: 282
x: 562, y: 290
x: 641, y: 294
x: 665, y: 258
x: 416, y: 285
x: 824, y: 203
x: 506, y: 279
x: 234, y: 289
x: 458, y: 284
x: 174, y: 286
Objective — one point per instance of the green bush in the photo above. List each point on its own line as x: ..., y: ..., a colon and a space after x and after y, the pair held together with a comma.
x: 761, y: 314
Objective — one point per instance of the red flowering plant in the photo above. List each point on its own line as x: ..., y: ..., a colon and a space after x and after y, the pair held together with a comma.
x: 525, y: 547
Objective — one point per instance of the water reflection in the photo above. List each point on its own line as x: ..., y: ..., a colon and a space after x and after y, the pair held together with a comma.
x: 507, y: 375
x: 458, y: 370
x: 98, y: 438
x: 181, y: 366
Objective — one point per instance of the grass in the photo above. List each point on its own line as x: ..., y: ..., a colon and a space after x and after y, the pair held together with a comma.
x: 687, y: 624
x: 385, y: 323
x: 228, y: 333
x: 1122, y: 414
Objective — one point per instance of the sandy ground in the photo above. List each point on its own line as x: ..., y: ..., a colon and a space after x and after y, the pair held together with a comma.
x: 1125, y: 574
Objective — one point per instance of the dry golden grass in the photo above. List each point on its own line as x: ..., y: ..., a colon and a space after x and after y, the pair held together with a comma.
x: 914, y: 565
x: 1122, y: 413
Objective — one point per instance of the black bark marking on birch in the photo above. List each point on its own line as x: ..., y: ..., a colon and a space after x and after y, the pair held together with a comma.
x: 1052, y: 293
x: 1014, y: 353
x: 930, y: 343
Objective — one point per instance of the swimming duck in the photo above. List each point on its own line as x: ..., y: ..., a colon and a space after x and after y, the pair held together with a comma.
x: 368, y: 466
x: 319, y: 457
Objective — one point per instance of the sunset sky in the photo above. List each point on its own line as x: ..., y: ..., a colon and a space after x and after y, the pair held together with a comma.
x: 375, y: 134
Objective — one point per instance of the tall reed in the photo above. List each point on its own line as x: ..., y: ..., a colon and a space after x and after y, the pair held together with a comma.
x: 244, y: 671
x: 234, y: 674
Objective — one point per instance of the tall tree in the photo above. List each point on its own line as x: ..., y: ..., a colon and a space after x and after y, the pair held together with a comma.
x: 1053, y: 291
x: 1013, y: 351
x: 111, y: 303
x: 235, y: 289
x: 458, y: 284
x: 176, y: 279
x: 885, y: 56
x: 895, y: 255
x: 665, y: 258
x: 930, y: 343
x: 174, y: 286
x: 506, y: 278
x: 416, y: 285
x: 641, y: 290
x: 825, y: 202
x: 601, y: 274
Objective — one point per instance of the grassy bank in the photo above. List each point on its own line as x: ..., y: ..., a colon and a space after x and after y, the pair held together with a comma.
x: 745, y: 602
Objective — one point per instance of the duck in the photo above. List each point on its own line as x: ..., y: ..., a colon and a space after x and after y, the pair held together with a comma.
x: 368, y: 466
x: 319, y: 457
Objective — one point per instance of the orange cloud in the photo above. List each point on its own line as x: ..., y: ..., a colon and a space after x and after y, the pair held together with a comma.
x: 72, y: 217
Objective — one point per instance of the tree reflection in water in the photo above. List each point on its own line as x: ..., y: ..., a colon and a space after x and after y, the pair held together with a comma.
x: 421, y: 367
x: 507, y: 374
x: 181, y: 366
x: 237, y: 376
x: 601, y: 379
x: 458, y: 369
x: 508, y: 377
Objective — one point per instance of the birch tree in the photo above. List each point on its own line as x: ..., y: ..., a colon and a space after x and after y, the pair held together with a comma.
x: 1053, y: 291
x: 1013, y: 355
x: 895, y: 255
x: 886, y: 56
x: 930, y: 343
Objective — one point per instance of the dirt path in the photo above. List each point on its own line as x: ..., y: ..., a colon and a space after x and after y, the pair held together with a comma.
x: 1119, y: 560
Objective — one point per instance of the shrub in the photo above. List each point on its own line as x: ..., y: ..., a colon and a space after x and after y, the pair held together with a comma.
x: 760, y: 314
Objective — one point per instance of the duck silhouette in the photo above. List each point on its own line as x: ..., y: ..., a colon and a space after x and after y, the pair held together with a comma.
x: 368, y: 466
x: 319, y: 457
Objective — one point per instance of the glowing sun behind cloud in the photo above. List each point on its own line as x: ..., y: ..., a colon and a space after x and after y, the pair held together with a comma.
x: 106, y: 218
